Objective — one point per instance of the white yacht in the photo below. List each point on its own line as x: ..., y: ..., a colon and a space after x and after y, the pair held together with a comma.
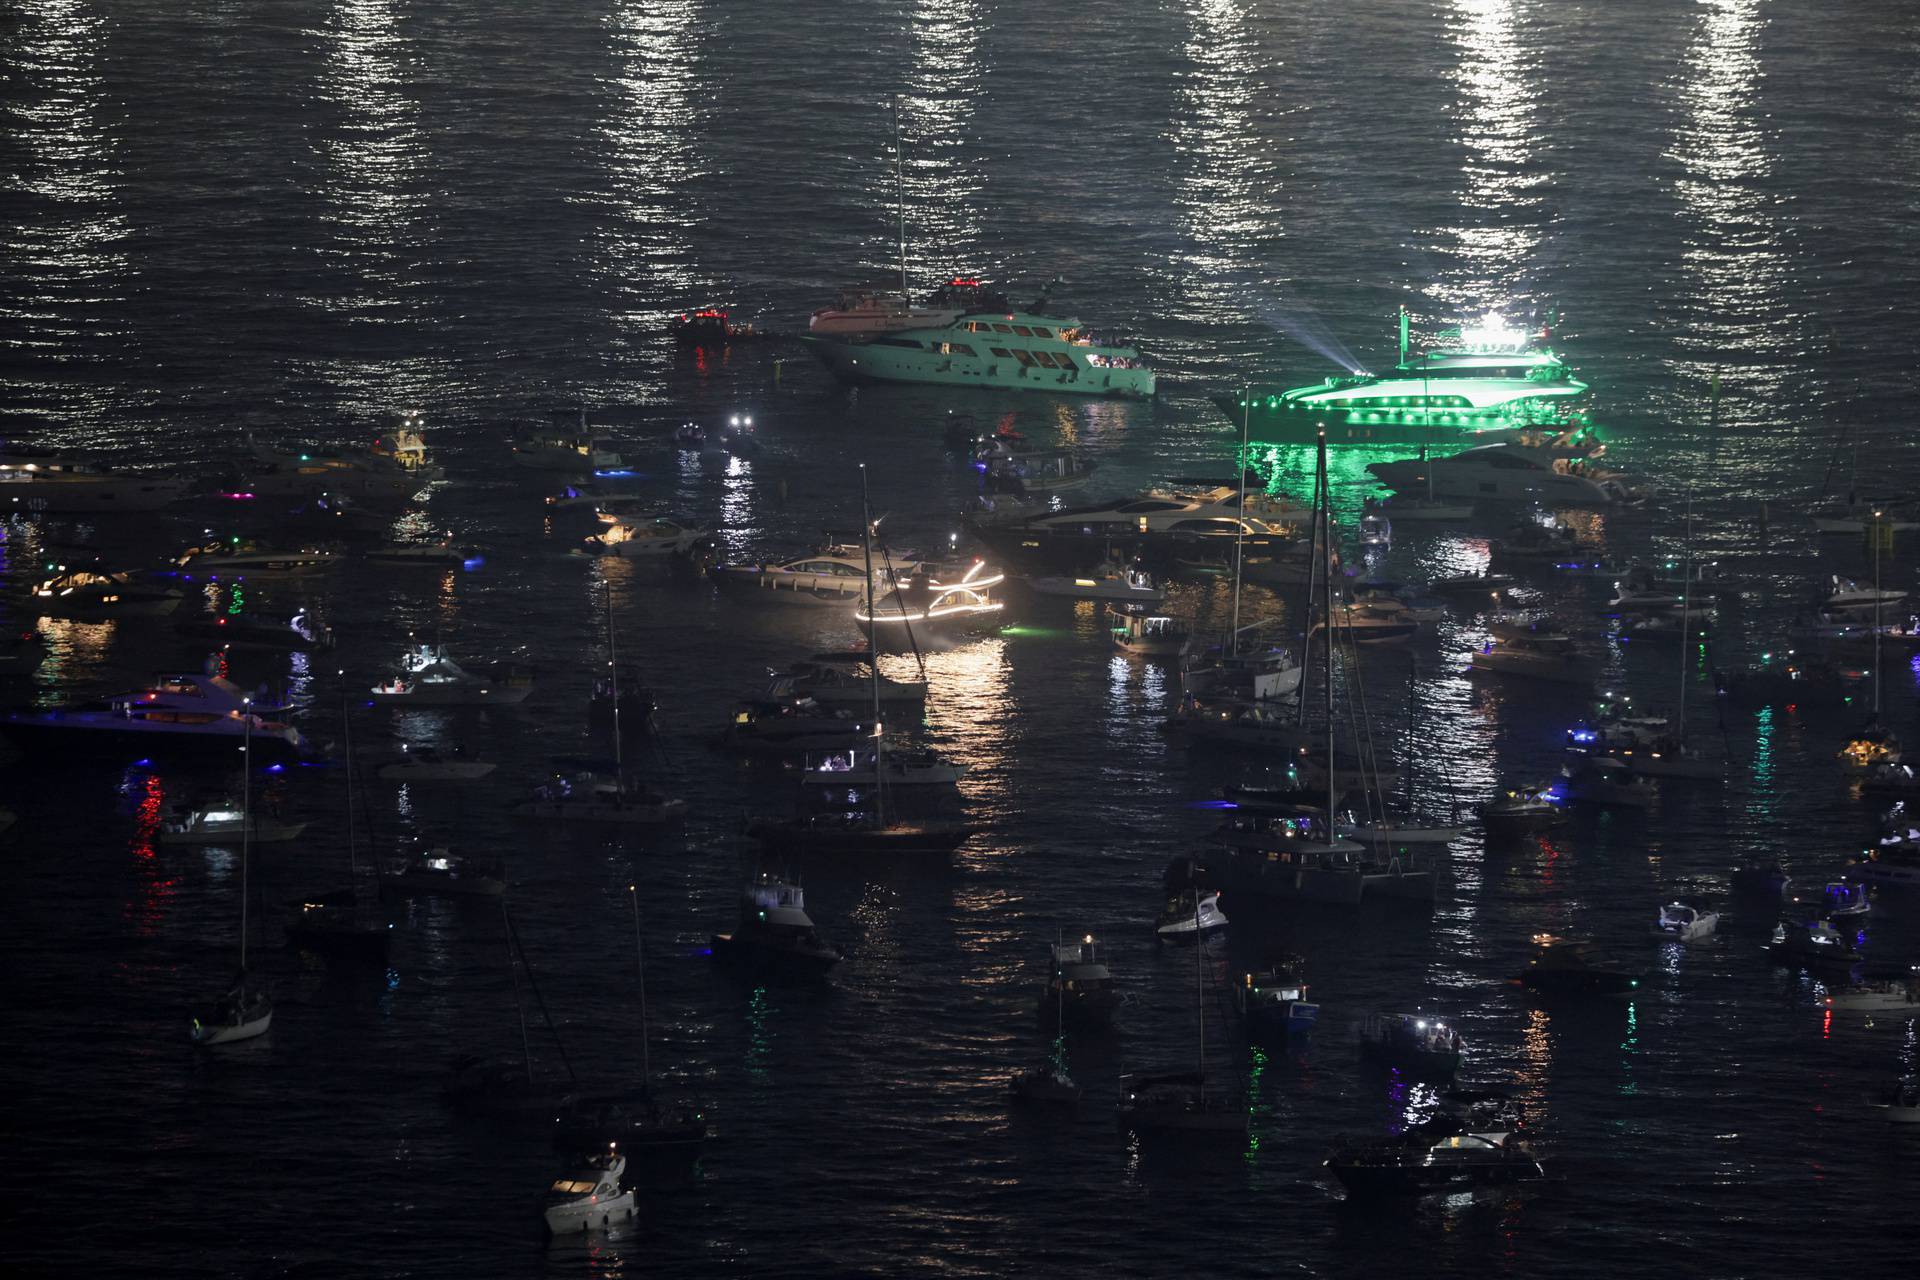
x: 391, y: 470
x: 590, y: 1197
x: 854, y: 767
x: 1538, y: 655
x: 429, y: 678
x: 869, y: 312
x: 934, y: 603
x: 1526, y: 467
x: 175, y: 712
x: 247, y: 558
x: 225, y: 823
x: 1189, y: 915
x: 1891, y: 995
x: 100, y: 595
x: 1685, y: 922
x: 1007, y: 351
x: 835, y: 574
x: 428, y: 764
x: 1181, y: 516
x: 442, y: 553
x: 576, y: 449
x: 35, y: 481
x: 647, y: 539
x: 1849, y: 596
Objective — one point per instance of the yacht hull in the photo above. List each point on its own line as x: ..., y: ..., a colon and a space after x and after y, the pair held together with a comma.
x: 42, y: 738
x: 863, y: 364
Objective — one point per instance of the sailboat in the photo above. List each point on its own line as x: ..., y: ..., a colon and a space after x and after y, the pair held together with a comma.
x: 869, y: 829
x: 637, y: 1121
x: 1857, y: 517
x: 1668, y: 754
x: 505, y: 1089
x: 340, y: 924
x: 1874, y: 748
x: 1173, y: 1103
x: 246, y: 1010
x: 590, y: 797
x: 1047, y: 1081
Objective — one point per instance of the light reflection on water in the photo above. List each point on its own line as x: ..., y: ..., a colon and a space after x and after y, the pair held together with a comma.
x: 1495, y: 124
x: 378, y: 155
x: 942, y: 170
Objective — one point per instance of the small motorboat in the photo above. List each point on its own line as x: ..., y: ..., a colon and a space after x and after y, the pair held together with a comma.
x: 441, y: 873
x: 1685, y: 922
x: 1190, y: 914
x: 429, y: 764
x: 1145, y: 634
x: 294, y: 633
x: 430, y: 678
x: 1376, y: 530
x: 1812, y: 944
x: 1274, y: 1001
x: 1901, y: 1101
x: 1446, y: 1154
x: 1519, y: 809
x: 1125, y: 584
x: 247, y: 558
x: 903, y: 768
x: 1045, y: 1084
x: 710, y: 327
x: 1849, y: 596
x: 1414, y: 1044
x: 443, y: 554
x: 775, y: 934
x: 1844, y: 900
x: 647, y: 539
x: 1566, y: 969
x: 21, y: 655
x: 1534, y: 654
x: 1080, y: 991
x: 591, y: 1197
x: 224, y: 822
x: 1608, y: 783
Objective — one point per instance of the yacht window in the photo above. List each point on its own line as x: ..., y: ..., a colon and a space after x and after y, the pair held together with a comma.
x: 1038, y: 332
x: 1139, y: 508
x: 1002, y: 352
x: 909, y: 343
x: 1044, y: 358
x: 1064, y: 360
x: 569, y: 1187
x: 1003, y: 328
x: 1025, y: 358
x: 1022, y: 331
x: 953, y: 348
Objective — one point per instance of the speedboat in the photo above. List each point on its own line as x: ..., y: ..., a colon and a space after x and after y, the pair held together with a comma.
x: 1608, y: 783
x: 925, y: 607
x: 793, y: 726
x: 429, y: 678
x: 1637, y: 591
x: 1376, y: 530
x: 225, y: 823
x: 835, y: 574
x: 1562, y: 968
x: 1415, y: 1044
x: 1374, y: 620
x: 647, y: 539
x: 1144, y: 634
x: 1123, y: 584
x: 1274, y: 1001
x: 1811, y: 943
x: 1534, y: 654
x: 174, y: 713
x: 1530, y: 543
x: 1901, y: 1101
x: 591, y: 798
x: 285, y: 633
x: 1005, y: 351
x: 1080, y: 991
x: 441, y: 554
x: 775, y: 933
x: 441, y: 873
x: 1844, y: 900
x: 1029, y: 474
x: 1519, y: 809
x: 1447, y: 1154
x: 1685, y: 922
x: 1558, y: 471
x: 392, y: 470
x: 1849, y: 596
x: 1189, y: 915
x: 854, y: 767
x: 578, y: 450
x: 590, y: 1197
x: 1497, y: 376
x: 94, y: 595
x: 710, y: 327
x: 430, y: 764
x: 1893, y: 994
x: 247, y: 558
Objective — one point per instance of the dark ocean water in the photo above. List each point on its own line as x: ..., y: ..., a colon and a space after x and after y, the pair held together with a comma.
x: 298, y: 219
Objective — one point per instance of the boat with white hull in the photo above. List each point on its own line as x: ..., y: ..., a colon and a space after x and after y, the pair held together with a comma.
x: 1527, y: 468
x: 176, y: 713
x: 1005, y: 351
x: 61, y: 485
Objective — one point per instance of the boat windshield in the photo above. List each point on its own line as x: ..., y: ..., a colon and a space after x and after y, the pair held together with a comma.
x: 573, y: 1187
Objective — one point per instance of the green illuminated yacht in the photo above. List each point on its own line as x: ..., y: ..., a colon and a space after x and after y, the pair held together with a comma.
x: 1497, y: 378
x: 1008, y: 351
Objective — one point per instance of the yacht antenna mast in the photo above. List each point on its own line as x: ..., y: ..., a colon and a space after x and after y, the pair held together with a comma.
x: 873, y: 657
x: 1240, y: 525
x: 246, y: 818
x: 1326, y: 615
x: 1686, y: 623
x: 640, y: 967
x: 613, y: 689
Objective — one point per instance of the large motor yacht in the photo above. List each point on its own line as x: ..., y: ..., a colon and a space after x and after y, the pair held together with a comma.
x: 35, y: 480
x: 1527, y: 466
x: 175, y: 712
x: 100, y: 595
x: 1161, y: 523
x: 574, y: 448
x: 1496, y: 377
x: 869, y: 312
x: 835, y: 574
x: 1008, y: 351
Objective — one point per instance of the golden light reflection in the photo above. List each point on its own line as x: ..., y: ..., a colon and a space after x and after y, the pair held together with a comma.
x: 652, y: 156
x: 943, y: 175
x: 1734, y: 249
x: 970, y: 712
x: 1495, y: 122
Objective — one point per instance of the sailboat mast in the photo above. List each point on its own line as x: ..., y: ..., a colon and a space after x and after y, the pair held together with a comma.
x: 613, y: 689
x: 640, y: 967
x: 1326, y: 597
x: 353, y: 851
x: 1200, y: 990
x: 900, y: 198
x: 1686, y: 623
x: 873, y: 659
x: 1240, y: 527
x: 519, y: 1005
x: 1874, y: 531
x: 246, y: 817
